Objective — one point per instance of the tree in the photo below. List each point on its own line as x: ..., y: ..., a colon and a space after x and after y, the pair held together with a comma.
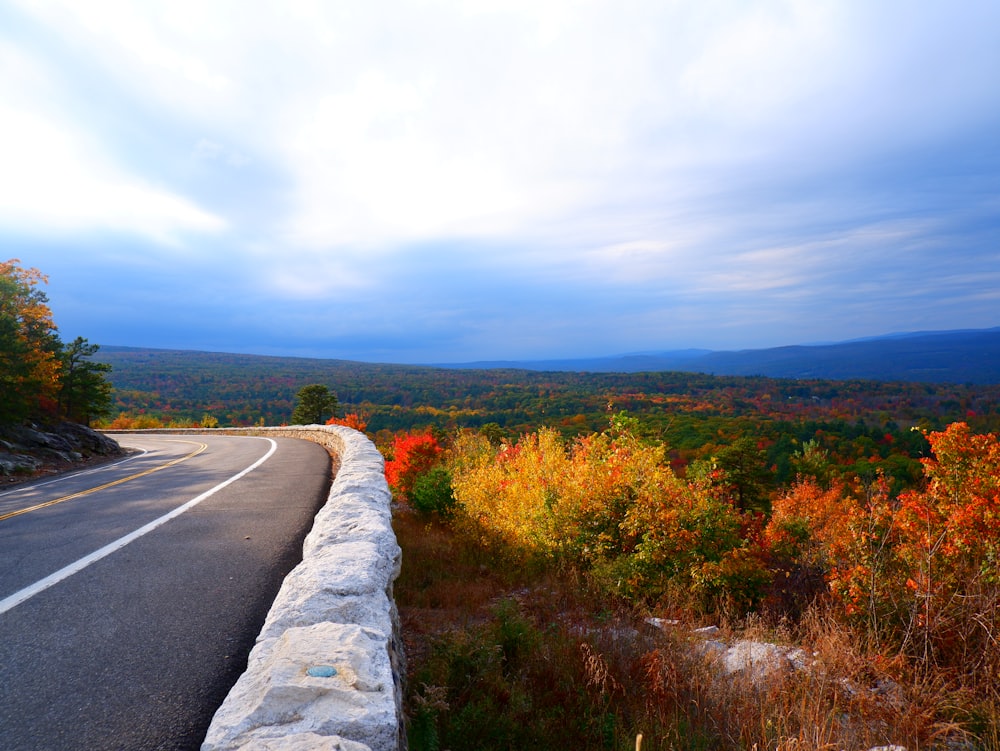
x: 745, y: 475
x: 313, y: 404
x: 29, y: 346
x: 84, y: 392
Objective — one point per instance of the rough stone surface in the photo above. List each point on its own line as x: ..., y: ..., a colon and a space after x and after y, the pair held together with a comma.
x: 28, y: 449
x: 18, y: 464
x: 276, y: 696
x: 334, y: 609
x: 302, y: 742
x: 759, y: 660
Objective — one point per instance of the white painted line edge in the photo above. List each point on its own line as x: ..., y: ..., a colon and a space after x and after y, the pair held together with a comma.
x: 28, y: 487
x: 41, y: 585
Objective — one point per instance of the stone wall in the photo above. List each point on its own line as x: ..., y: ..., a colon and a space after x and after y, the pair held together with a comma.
x: 326, y: 671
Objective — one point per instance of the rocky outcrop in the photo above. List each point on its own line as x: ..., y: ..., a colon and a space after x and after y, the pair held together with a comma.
x: 27, y: 450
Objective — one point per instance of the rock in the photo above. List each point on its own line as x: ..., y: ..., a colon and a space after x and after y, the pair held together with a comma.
x: 304, y: 602
x: 27, y: 449
x: 37, y: 439
x: 759, y: 660
x: 712, y: 648
x: 302, y: 742
x: 661, y: 623
x: 18, y: 464
x: 89, y: 440
x: 276, y: 698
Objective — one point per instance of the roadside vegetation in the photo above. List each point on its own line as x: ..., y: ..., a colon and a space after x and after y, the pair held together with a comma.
x: 552, y: 586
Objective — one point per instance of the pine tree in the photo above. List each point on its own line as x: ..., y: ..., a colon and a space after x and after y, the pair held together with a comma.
x: 314, y: 404
x: 84, y: 392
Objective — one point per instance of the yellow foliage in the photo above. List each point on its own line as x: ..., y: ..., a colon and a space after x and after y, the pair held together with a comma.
x: 549, y: 497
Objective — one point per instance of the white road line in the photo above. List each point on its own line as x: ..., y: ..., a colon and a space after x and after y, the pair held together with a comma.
x: 41, y: 585
x: 27, y: 488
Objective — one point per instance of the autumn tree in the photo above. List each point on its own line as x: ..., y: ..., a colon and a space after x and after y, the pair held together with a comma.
x: 949, y: 543
x: 29, y: 346
x: 314, y: 403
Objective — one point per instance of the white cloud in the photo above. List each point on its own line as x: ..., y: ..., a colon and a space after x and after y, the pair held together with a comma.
x: 208, y: 150
x: 408, y: 121
x: 652, y: 150
x: 57, y: 177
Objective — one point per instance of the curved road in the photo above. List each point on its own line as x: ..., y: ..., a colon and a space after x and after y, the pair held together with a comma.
x: 130, y: 595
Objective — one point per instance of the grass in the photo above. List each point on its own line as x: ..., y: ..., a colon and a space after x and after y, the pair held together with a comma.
x: 504, y: 653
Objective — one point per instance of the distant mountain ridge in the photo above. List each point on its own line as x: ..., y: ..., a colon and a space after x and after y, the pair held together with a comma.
x: 961, y: 356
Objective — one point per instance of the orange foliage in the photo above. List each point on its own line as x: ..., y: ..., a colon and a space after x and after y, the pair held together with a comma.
x: 809, y: 524
x: 132, y: 422
x: 352, y: 420
x: 923, y: 570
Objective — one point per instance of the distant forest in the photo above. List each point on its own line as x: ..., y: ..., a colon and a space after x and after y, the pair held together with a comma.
x: 865, y: 425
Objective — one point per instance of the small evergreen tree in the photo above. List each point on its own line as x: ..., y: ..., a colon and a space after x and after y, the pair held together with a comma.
x: 84, y: 392
x: 314, y: 404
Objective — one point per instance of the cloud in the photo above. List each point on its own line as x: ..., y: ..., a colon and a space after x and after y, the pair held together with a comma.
x: 57, y: 177
x: 514, y: 172
x: 210, y: 151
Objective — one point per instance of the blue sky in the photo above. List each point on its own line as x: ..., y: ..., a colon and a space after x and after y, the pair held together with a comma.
x: 446, y: 181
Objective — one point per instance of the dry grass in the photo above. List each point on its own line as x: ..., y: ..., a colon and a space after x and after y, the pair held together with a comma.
x: 505, y: 654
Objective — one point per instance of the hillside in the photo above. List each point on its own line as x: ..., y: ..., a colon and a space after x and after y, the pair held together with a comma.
x: 178, y: 385
x: 921, y: 357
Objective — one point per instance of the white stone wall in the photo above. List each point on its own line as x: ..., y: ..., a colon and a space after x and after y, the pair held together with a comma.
x: 326, y: 670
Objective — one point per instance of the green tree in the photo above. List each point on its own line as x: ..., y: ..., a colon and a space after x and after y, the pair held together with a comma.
x: 314, y: 404
x: 745, y: 475
x: 84, y: 391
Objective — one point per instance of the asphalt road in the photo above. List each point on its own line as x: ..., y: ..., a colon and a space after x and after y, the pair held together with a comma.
x: 133, y: 646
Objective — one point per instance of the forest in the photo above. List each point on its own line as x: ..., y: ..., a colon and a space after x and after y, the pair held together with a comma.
x: 246, y: 389
x: 862, y: 426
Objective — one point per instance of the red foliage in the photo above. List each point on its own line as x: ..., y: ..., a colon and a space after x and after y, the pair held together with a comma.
x: 412, y: 456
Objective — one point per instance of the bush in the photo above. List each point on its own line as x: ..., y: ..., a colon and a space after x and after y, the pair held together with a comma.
x: 412, y: 456
x: 431, y: 493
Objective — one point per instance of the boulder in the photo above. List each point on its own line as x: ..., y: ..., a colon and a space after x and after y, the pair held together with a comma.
x: 18, y: 464
x: 28, y: 449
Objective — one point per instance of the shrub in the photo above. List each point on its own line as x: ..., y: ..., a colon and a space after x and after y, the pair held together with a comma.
x: 351, y: 420
x: 432, y: 494
x: 412, y: 455
x: 610, y: 503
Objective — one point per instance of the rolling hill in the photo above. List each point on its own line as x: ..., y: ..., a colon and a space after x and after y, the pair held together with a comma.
x: 968, y: 356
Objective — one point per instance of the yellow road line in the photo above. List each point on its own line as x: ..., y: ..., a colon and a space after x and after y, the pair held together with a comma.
x: 171, y: 463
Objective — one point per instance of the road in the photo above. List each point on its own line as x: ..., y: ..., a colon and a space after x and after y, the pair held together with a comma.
x: 130, y: 595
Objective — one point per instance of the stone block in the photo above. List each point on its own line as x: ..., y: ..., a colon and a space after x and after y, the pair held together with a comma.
x: 278, y: 697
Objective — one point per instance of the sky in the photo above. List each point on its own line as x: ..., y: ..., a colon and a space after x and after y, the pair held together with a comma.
x: 434, y: 181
